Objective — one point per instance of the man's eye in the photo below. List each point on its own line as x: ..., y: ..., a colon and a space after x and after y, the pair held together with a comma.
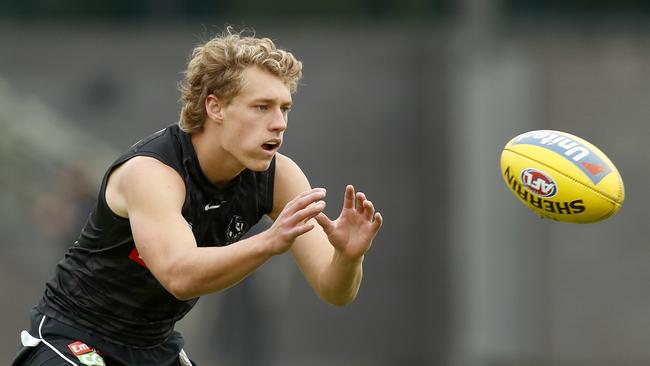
x: 262, y: 107
x: 285, y: 109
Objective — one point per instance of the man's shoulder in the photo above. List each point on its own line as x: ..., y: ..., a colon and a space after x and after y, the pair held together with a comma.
x: 289, y: 182
x: 164, y: 145
x: 285, y: 163
x: 161, y: 141
x: 287, y: 173
x: 139, y: 177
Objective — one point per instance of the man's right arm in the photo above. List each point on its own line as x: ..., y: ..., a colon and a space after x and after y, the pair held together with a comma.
x: 151, y: 195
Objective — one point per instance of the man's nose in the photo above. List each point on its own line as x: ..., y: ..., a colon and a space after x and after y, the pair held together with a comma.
x: 279, y: 121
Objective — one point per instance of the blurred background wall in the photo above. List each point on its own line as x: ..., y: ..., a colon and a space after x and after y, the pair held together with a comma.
x: 411, y: 101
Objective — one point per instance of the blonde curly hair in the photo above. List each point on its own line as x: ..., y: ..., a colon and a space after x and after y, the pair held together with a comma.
x: 217, y: 66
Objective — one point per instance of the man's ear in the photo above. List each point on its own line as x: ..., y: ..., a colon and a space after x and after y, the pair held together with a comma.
x: 213, y: 108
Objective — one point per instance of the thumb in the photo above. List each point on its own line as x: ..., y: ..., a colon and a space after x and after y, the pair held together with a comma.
x: 325, y: 223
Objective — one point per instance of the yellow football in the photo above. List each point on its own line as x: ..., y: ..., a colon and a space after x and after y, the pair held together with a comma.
x: 562, y: 177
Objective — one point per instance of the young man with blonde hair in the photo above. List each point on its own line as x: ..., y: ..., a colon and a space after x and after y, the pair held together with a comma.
x: 171, y: 213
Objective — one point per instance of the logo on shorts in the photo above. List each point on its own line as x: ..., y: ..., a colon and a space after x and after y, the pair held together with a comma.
x: 86, y: 355
x: 538, y: 183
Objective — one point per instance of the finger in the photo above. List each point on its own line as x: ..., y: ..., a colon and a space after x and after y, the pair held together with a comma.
x: 305, y: 199
x: 308, y: 213
x: 376, y: 224
x: 325, y: 223
x: 309, y: 193
x: 368, y: 210
x: 348, y: 197
x: 301, y: 229
x: 360, y: 199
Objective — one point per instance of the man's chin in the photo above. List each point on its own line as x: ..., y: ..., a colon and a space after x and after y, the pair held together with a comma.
x: 260, y: 165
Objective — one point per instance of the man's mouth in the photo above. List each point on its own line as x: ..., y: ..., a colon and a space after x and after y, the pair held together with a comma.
x: 271, y: 145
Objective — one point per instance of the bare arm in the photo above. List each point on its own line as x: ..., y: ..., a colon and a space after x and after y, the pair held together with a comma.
x: 151, y: 195
x: 331, y: 255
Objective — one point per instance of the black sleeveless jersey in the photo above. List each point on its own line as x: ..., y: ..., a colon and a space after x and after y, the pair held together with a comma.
x: 104, y: 287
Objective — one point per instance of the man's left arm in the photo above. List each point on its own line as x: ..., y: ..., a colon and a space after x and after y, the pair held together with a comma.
x: 331, y: 255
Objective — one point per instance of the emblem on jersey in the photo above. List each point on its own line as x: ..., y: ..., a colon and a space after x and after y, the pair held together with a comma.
x: 209, y: 207
x: 236, y: 229
x: 86, y: 354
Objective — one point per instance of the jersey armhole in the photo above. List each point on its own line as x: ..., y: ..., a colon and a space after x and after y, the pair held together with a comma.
x: 102, y: 192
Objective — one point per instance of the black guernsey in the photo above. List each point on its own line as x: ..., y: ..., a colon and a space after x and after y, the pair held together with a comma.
x: 103, y: 286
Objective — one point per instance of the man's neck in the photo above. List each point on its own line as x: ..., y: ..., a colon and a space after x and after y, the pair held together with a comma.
x: 217, y: 164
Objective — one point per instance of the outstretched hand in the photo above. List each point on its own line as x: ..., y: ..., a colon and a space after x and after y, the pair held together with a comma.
x: 352, y: 232
x: 295, y: 219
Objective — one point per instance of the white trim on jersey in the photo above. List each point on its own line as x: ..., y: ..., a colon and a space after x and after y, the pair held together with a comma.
x: 51, y: 346
x: 28, y: 340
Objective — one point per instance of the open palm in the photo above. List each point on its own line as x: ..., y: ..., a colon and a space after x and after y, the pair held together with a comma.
x: 352, y: 232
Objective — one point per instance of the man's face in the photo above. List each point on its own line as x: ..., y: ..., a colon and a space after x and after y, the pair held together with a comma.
x: 255, y: 119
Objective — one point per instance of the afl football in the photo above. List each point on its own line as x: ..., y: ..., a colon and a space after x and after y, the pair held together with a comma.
x: 562, y: 177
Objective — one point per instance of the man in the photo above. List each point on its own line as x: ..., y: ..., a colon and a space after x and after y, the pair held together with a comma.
x: 171, y: 212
